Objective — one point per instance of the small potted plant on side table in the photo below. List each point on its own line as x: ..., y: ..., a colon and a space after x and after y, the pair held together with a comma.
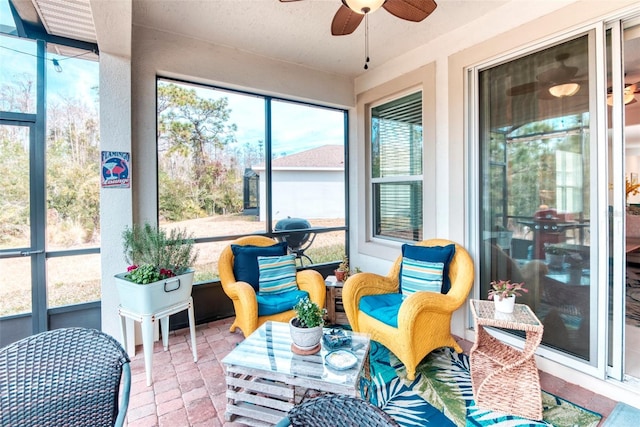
x: 503, y: 293
x: 342, y: 272
x: 306, y: 327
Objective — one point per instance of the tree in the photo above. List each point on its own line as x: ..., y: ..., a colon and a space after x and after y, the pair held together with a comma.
x: 195, y: 142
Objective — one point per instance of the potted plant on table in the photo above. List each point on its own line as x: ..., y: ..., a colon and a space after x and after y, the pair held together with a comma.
x: 160, y: 273
x: 306, y: 327
x: 342, y: 272
x: 503, y: 293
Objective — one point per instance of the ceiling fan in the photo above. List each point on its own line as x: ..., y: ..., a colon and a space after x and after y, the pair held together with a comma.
x: 556, y: 82
x: 628, y: 93
x: 351, y: 12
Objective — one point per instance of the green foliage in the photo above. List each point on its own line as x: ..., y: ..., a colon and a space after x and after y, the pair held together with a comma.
x: 149, y: 245
x: 199, y: 171
x: 309, y: 314
x: 144, y: 274
x: 14, y: 203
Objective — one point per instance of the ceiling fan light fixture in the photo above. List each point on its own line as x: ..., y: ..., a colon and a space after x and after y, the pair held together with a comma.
x: 627, y: 95
x: 565, y: 89
x: 363, y: 6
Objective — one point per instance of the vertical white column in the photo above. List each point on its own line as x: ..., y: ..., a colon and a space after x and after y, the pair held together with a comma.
x: 116, y: 204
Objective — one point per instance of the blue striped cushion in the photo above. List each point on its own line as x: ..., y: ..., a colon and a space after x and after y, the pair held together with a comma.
x: 419, y: 276
x: 277, y: 274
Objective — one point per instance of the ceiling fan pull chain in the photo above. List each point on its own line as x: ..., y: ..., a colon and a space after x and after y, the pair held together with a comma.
x: 366, y: 40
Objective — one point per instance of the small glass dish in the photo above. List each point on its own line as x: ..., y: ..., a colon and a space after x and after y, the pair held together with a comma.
x: 341, y: 359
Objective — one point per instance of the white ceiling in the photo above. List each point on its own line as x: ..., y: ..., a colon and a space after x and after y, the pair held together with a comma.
x: 299, y: 32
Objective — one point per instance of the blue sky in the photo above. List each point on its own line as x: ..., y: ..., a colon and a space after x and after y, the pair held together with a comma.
x: 296, y: 127
x: 78, y: 76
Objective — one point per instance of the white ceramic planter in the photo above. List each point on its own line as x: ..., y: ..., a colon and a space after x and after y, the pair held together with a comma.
x: 305, y: 338
x: 504, y: 305
x: 151, y: 298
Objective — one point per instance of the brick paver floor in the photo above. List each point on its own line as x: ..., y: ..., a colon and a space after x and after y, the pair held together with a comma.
x: 186, y: 394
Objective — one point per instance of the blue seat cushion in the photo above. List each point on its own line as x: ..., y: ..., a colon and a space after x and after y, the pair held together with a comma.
x: 443, y: 254
x: 245, y: 261
x: 383, y: 307
x: 277, y: 303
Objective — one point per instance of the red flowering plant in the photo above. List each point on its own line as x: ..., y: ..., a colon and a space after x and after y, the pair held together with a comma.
x: 505, y: 289
x: 154, y: 255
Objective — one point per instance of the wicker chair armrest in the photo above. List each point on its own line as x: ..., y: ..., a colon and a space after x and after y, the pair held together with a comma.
x: 242, y: 292
x: 423, y: 304
x: 363, y: 284
x: 312, y: 282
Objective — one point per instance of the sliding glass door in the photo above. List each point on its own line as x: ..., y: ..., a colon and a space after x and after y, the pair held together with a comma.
x: 536, y: 134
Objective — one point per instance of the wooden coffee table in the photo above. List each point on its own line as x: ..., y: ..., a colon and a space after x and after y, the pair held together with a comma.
x: 265, y: 379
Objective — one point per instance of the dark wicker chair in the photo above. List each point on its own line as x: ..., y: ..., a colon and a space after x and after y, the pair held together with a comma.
x: 336, y: 410
x: 64, y: 377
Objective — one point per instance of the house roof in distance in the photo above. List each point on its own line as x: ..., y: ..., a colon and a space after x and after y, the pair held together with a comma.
x: 323, y: 157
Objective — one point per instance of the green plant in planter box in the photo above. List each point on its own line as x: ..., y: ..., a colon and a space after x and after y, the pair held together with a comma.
x: 155, y: 255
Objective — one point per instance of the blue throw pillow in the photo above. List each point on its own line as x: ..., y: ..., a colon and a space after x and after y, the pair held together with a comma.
x: 419, y: 276
x: 245, y: 261
x: 443, y: 254
x: 277, y: 274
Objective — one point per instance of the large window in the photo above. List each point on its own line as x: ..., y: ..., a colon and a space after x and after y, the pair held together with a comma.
x: 233, y: 164
x: 535, y: 138
x: 396, y: 168
x: 50, y: 191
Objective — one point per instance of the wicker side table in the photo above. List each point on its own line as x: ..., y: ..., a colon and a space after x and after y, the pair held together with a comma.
x: 503, y: 378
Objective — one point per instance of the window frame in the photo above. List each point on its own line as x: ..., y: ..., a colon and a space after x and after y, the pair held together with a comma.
x: 421, y: 79
x: 406, y: 179
x: 269, y: 230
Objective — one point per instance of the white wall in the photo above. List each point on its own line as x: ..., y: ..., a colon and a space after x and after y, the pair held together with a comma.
x: 504, y: 30
x: 116, y: 204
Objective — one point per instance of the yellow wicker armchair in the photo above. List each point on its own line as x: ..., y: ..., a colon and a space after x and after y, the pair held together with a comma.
x: 243, y: 295
x: 424, y: 318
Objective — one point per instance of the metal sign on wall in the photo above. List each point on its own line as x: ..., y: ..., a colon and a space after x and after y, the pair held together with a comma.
x: 115, y: 169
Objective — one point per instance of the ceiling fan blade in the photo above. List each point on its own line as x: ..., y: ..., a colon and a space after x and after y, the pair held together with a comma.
x: 410, y: 10
x: 559, y: 74
x: 345, y: 21
x: 523, y: 89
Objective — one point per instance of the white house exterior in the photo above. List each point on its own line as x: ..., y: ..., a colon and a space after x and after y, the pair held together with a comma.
x: 306, y: 183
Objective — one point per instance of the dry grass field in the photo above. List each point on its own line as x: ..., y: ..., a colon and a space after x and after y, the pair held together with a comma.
x: 76, y: 279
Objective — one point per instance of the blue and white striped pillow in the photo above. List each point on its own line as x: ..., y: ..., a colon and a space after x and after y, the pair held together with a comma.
x: 277, y: 274
x: 420, y: 276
